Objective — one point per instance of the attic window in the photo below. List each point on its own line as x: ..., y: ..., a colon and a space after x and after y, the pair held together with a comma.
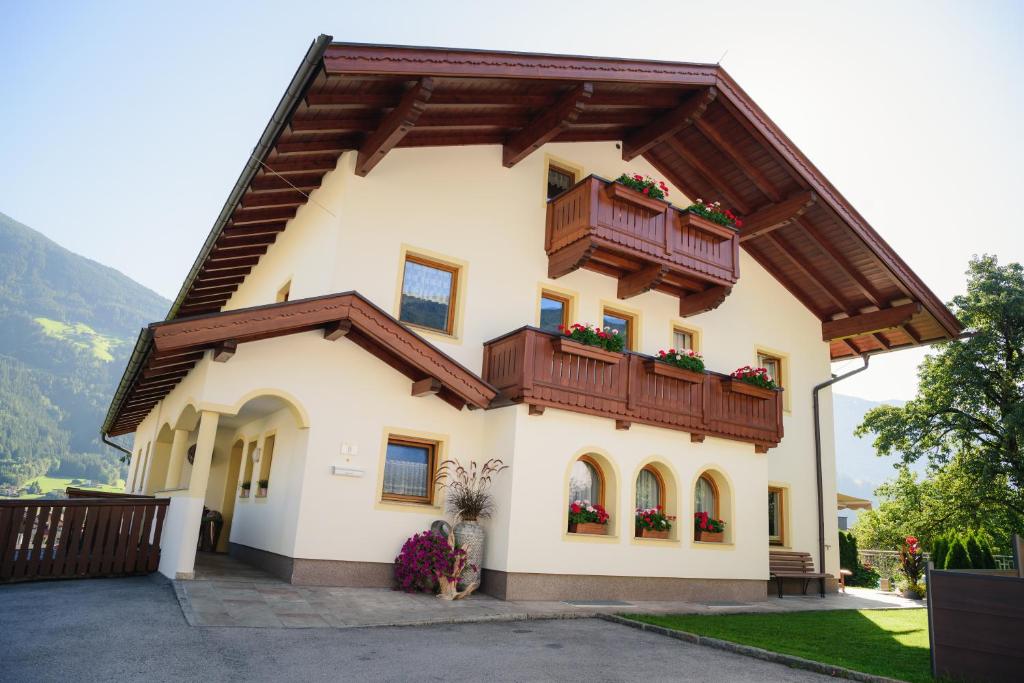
x: 559, y: 180
x: 284, y: 293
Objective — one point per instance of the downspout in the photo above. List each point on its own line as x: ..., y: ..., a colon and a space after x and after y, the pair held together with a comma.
x: 127, y: 457
x: 817, y: 456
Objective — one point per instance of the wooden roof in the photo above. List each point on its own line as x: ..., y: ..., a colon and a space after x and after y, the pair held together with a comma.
x: 168, y: 351
x: 692, y: 122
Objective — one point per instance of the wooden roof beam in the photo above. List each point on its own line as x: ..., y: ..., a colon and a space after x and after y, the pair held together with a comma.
x: 817, y: 278
x: 702, y: 302
x: 668, y: 124
x: 547, y: 125
x: 868, y: 323
x: 739, y: 159
x: 775, y: 216
x: 394, y: 126
x: 844, y: 264
x: 644, y: 280
x: 711, y: 176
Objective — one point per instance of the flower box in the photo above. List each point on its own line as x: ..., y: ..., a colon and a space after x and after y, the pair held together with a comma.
x: 622, y: 193
x: 650, y: 533
x: 738, y: 386
x: 689, y: 219
x: 708, y: 536
x: 591, y: 528
x: 656, y: 367
x: 565, y: 345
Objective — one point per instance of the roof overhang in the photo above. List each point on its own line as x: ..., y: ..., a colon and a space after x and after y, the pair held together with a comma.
x: 845, y: 502
x: 692, y: 122
x: 166, y: 352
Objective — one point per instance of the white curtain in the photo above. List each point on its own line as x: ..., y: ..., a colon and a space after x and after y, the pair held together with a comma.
x: 405, y: 478
x: 584, y: 483
x: 704, y: 497
x: 647, y: 493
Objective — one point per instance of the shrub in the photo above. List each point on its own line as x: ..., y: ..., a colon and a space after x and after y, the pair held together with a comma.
x: 957, y: 558
x: 424, y: 559
x: 986, y: 553
x: 940, y: 547
x: 974, y: 551
x: 863, y: 575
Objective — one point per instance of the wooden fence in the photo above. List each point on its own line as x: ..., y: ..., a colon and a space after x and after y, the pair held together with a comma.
x: 976, y: 622
x: 76, y: 538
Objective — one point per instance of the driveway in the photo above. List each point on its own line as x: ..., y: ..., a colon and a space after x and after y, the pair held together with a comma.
x: 133, y: 629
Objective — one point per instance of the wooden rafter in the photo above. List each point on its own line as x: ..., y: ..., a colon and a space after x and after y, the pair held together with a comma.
x: 714, y: 180
x: 867, y: 323
x: 844, y: 264
x: 394, y: 127
x: 776, y: 215
x: 641, y: 281
x: 816, y: 277
x: 547, y: 125
x: 739, y: 159
x: 668, y: 124
x: 702, y: 302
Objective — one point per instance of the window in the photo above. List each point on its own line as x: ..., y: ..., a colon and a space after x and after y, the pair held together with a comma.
x: 247, y: 470
x: 586, y: 481
x: 705, y: 497
x: 649, y: 489
x: 143, y: 479
x: 266, y: 460
x: 775, y: 516
x: 554, y: 311
x: 683, y: 339
x: 773, y: 364
x: 284, y: 293
x: 409, y: 470
x: 428, y: 294
x: 621, y: 322
x: 559, y: 180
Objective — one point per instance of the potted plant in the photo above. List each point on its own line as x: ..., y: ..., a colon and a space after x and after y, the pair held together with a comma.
x: 707, y: 529
x: 756, y: 382
x: 711, y: 219
x: 590, y: 342
x: 264, y: 484
x: 587, y: 518
x: 469, y: 500
x: 684, y: 364
x: 886, y: 566
x: 246, y: 485
x: 653, y: 523
x: 427, y: 561
x: 640, y: 190
x: 912, y: 566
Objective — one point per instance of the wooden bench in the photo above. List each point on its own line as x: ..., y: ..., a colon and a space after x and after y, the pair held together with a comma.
x: 789, y: 564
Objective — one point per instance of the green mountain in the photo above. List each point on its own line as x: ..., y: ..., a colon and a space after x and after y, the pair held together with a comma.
x: 67, y: 325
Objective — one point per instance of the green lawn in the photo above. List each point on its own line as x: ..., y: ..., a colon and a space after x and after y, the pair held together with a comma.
x: 890, y: 643
x: 60, y: 483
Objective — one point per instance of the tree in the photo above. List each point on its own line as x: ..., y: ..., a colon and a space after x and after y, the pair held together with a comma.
x: 974, y: 550
x: 968, y: 415
x: 957, y: 557
x: 940, y: 546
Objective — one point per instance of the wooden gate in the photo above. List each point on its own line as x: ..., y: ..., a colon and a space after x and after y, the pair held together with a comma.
x: 55, y: 539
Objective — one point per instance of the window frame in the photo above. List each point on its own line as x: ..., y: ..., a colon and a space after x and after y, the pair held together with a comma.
x: 284, y: 292
x: 246, y: 470
x: 694, y: 336
x: 778, y: 375
x: 716, y: 513
x: 432, y: 449
x: 266, y: 462
x: 564, y: 170
x: 661, y: 485
x: 601, y: 482
x: 453, y: 291
x: 781, y: 539
x: 632, y: 320
x: 564, y: 299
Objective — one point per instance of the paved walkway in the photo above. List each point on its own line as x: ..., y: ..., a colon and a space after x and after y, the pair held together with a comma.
x: 229, y: 593
x: 132, y: 630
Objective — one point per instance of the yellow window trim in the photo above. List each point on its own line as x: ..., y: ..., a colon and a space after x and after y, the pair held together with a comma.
x: 460, y: 270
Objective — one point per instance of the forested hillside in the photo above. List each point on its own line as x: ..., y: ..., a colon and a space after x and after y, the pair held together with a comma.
x: 67, y: 325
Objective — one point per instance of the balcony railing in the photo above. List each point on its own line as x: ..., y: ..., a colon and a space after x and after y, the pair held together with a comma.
x: 535, y: 367
x: 645, y: 243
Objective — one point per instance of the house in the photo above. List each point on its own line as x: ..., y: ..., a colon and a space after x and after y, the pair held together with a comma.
x: 382, y: 292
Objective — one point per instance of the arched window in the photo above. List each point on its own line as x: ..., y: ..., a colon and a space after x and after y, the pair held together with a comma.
x: 650, y: 492
x: 586, y: 481
x: 705, y: 496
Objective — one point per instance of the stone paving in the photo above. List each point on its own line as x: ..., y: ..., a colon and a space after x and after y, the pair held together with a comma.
x: 229, y: 593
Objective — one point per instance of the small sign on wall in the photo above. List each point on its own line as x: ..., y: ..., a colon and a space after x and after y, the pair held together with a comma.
x: 346, y: 471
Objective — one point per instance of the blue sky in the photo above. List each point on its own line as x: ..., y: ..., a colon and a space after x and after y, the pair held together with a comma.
x: 125, y: 125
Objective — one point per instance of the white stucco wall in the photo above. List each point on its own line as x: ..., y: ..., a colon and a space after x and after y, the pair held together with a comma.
x: 461, y: 205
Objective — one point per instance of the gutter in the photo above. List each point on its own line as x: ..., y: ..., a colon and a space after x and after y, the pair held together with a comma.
x: 289, y: 101
x: 127, y: 457
x: 136, y: 361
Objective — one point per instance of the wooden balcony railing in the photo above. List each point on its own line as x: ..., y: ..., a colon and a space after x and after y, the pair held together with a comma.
x: 645, y: 243
x: 536, y: 367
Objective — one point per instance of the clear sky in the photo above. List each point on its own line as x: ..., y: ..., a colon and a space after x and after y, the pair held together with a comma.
x: 125, y: 125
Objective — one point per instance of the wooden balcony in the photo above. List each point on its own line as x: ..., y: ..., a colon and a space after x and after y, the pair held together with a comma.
x: 645, y: 243
x: 535, y: 367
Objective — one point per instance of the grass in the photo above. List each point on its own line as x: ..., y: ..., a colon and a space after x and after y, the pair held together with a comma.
x: 81, y: 336
x: 890, y: 643
x: 48, y: 484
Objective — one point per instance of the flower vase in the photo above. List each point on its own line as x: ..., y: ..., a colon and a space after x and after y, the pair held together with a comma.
x: 469, y: 536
